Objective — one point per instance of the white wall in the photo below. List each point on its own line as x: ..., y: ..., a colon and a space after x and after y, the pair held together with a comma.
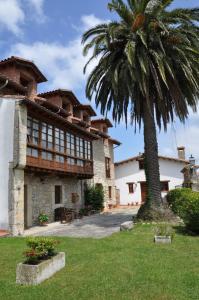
x: 129, y: 172
x: 7, y: 108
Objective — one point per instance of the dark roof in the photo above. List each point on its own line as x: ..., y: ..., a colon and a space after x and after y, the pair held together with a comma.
x: 61, y: 92
x: 138, y: 157
x: 26, y: 63
x: 87, y: 108
x: 101, y: 121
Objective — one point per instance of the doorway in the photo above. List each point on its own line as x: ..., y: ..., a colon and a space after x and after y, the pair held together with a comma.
x: 143, y: 191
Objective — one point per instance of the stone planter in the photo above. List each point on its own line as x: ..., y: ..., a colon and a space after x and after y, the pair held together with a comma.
x: 35, y: 274
x: 158, y: 239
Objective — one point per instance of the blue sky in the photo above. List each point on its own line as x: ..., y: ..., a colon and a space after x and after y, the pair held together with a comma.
x: 49, y: 32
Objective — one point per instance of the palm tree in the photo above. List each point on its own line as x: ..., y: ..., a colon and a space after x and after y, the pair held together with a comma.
x: 148, y: 61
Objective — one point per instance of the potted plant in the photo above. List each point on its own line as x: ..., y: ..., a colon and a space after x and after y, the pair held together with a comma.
x: 41, y: 261
x: 43, y: 219
x: 163, y: 234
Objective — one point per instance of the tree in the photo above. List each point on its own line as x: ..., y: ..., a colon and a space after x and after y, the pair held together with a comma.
x: 148, y: 61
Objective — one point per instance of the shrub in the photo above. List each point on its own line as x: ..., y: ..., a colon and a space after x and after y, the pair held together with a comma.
x: 175, y: 199
x: 164, y: 229
x: 39, y: 249
x: 185, y: 203
x: 94, y: 197
x: 43, y: 218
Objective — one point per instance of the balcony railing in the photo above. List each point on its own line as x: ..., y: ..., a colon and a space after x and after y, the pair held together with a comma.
x: 40, y: 163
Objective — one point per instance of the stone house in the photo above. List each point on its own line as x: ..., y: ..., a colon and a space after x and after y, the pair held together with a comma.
x: 50, y: 148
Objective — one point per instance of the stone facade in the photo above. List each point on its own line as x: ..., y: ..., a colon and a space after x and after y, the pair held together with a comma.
x: 41, y: 195
x: 103, y: 148
x: 16, y: 171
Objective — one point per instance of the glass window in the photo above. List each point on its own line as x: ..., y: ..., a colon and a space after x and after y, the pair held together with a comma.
x: 33, y: 131
x: 71, y: 161
x: 108, y: 167
x: 60, y: 158
x: 46, y: 155
x: 32, y: 152
x: 80, y: 162
x: 47, y: 136
x: 70, y: 143
x: 131, y: 187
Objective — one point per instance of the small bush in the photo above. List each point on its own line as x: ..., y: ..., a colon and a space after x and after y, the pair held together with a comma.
x: 94, y: 197
x: 164, y: 229
x: 39, y: 249
x: 43, y: 218
x: 185, y: 203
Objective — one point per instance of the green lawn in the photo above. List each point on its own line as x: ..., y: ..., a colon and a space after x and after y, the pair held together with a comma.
x: 125, y: 266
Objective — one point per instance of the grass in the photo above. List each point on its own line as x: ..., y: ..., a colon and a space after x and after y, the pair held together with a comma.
x: 125, y: 266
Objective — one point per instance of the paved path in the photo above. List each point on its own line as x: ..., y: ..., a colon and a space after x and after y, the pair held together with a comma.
x: 96, y: 226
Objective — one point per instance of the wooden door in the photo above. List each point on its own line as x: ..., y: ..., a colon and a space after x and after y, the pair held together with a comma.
x: 143, y: 191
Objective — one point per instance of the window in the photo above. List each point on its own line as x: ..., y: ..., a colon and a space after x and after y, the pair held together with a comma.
x: 54, y: 144
x: 108, y: 167
x: 79, y: 147
x: 33, y: 131
x: 131, y: 187
x: 47, y: 155
x: 87, y: 145
x: 80, y: 162
x: 58, y: 194
x: 70, y: 139
x: 110, y: 192
x: 47, y: 136
x: 59, y: 158
x: 141, y: 164
x: 59, y: 140
x: 70, y: 161
x: 164, y: 186
x: 32, y: 152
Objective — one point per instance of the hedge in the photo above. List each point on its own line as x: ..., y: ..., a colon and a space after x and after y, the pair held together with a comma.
x: 185, y: 203
x: 94, y: 197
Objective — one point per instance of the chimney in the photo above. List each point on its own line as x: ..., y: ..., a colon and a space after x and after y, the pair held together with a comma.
x: 192, y: 160
x: 181, y: 152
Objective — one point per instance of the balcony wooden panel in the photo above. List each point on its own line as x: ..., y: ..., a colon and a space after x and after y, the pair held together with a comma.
x: 38, y: 163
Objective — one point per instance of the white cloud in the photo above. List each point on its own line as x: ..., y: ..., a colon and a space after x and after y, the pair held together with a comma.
x: 62, y: 64
x: 39, y: 10
x: 181, y: 135
x: 11, y: 16
x: 90, y: 21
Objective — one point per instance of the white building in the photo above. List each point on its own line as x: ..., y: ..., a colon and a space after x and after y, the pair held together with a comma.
x: 131, y: 181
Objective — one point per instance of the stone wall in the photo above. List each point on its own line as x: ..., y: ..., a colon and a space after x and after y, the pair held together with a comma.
x: 41, y: 195
x: 104, y: 148
x: 16, y: 171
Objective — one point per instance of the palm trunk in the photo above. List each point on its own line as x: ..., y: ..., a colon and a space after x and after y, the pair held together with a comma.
x: 151, y: 157
x: 154, y: 200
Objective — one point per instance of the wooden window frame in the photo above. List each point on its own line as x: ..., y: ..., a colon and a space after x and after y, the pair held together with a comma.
x: 163, y: 184
x: 110, y: 192
x: 141, y: 164
x: 108, y: 167
x: 64, y: 144
x: 58, y: 194
x: 131, y: 187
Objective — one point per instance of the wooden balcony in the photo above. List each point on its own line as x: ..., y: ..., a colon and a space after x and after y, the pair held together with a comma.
x: 41, y: 165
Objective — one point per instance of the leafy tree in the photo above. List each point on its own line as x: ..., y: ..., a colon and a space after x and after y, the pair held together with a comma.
x: 148, y: 60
